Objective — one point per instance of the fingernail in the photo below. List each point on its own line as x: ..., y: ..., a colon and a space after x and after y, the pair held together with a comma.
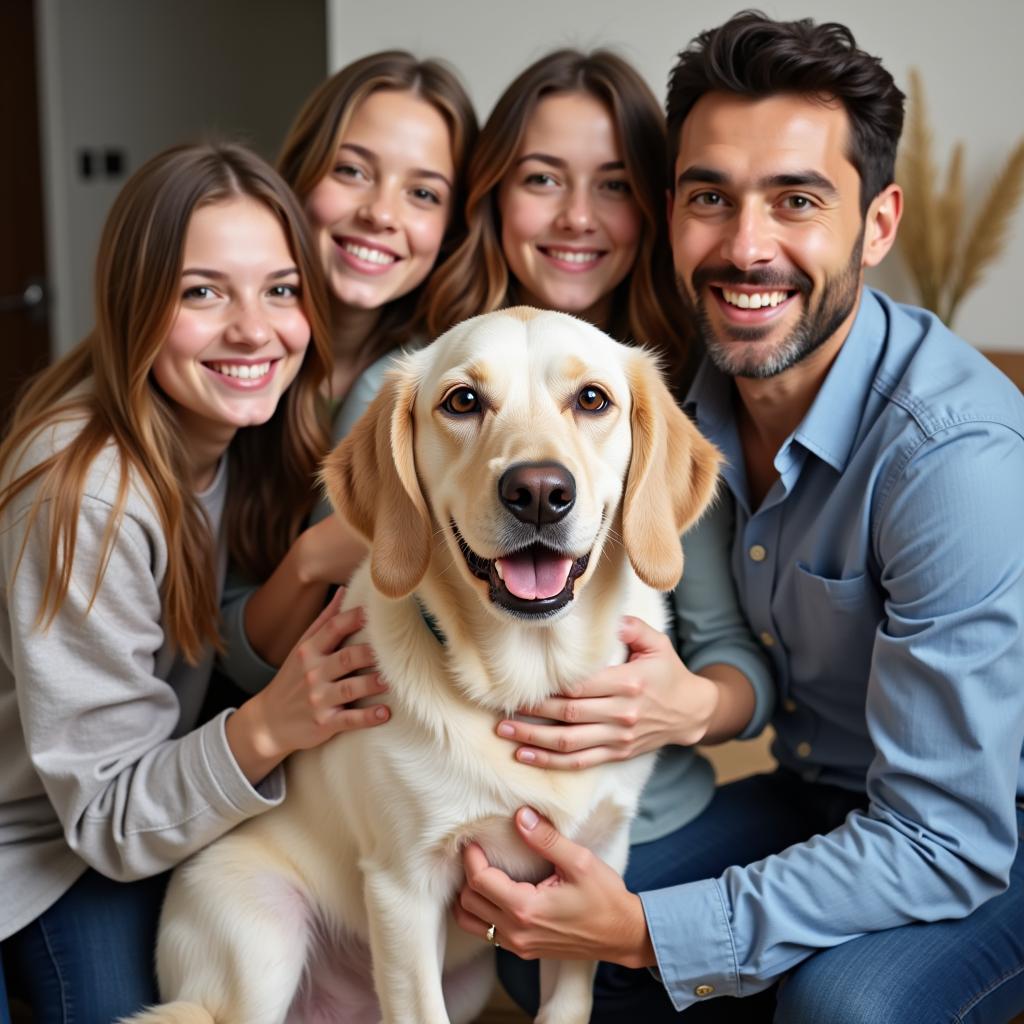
x: 528, y: 818
x: 506, y: 730
x: 380, y: 714
x: 527, y: 755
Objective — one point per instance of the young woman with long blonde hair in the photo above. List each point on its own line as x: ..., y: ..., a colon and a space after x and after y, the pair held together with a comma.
x: 183, y: 427
x: 377, y: 157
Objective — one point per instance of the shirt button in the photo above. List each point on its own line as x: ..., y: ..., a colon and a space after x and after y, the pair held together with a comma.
x: 767, y: 639
x: 789, y: 704
x: 704, y: 990
x: 757, y: 553
x: 803, y: 749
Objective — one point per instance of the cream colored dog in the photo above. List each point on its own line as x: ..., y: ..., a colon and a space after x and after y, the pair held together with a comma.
x: 523, y: 483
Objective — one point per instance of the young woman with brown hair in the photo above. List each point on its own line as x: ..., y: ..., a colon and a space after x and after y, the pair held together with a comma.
x: 565, y: 207
x: 377, y: 158
x: 183, y: 427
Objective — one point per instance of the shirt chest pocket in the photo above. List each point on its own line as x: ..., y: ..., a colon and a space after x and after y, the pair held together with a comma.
x: 830, y: 627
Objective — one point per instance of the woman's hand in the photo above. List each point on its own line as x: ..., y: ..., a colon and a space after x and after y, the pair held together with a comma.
x: 555, y: 918
x: 311, y: 697
x: 622, y: 711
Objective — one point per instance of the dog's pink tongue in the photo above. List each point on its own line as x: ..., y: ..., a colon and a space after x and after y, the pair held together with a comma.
x: 534, y: 574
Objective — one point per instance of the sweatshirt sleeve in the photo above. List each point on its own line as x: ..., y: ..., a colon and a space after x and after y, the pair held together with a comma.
x: 100, y: 724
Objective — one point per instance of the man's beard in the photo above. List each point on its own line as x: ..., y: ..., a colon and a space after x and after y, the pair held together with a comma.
x: 815, y: 326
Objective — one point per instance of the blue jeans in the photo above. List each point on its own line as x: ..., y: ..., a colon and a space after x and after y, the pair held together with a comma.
x: 965, y: 972
x: 89, y: 958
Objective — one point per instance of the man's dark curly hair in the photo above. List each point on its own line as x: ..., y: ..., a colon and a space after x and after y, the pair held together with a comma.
x: 754, y: 55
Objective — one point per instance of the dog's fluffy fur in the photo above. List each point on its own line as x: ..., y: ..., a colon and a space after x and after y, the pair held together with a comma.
x: 282, y: 918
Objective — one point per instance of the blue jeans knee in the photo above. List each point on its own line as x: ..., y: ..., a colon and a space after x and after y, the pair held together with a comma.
x: 89, y: 957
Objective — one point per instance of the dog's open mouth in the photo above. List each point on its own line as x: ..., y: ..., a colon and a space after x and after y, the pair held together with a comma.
x: 532, y: 581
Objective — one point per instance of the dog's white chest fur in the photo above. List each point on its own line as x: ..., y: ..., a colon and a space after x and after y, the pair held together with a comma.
x: 437, y: 775
x: 400, y: 802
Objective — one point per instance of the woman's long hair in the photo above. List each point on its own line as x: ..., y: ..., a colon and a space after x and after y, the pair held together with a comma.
x: 137, y: 289
x: 311, y: 145
x: 476, y: 279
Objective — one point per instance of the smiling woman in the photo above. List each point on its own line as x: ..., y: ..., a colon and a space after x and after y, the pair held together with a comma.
x: 566, y: 207
x: 381, y: 212
x: 570, y: 224
x: 376, y: 157
x: 240, y: 332
x: 132, y: 465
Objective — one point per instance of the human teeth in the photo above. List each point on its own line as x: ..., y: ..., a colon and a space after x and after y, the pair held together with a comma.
x: 756, y: 300
x: 362, y: 252
x: 568, y: 256
x: 243, y: 371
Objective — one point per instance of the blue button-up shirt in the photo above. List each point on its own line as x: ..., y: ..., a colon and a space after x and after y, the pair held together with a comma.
x: 884, y: 571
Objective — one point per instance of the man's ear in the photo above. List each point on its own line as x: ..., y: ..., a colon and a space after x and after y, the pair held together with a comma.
x: 881, y: 223
x: 371, y: 480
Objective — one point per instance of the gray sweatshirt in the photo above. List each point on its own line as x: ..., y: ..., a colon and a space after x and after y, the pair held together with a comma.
x: 102, y: 765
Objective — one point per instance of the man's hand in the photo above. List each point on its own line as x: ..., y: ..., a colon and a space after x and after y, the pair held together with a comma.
x: 556, y: 918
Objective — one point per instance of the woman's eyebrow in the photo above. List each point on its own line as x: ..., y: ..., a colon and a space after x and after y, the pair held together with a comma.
x: 218, y: 275
x: 558, y: 162
x: 371, y: 157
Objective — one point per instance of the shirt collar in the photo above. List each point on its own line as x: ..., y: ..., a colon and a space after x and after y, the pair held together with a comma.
x: 833, y: 421
x: 709, y: 399
x: 830, y: 427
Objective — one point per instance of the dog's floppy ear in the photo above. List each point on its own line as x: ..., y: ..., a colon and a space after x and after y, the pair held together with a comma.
x: 672, y: 475
x: 371, y: 480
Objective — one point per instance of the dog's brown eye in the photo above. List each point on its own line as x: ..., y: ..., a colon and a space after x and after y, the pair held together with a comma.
x: 461, y: 402
x: 591, y: 399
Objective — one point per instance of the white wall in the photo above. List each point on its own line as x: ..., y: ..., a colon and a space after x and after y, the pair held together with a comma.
x: 969, y: 55
x: 141, y: 75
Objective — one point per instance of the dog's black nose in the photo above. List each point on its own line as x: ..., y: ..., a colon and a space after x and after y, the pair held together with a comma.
x: 537, y: 492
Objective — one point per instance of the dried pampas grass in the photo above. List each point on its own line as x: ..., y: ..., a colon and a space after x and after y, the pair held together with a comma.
x: 945, y: 259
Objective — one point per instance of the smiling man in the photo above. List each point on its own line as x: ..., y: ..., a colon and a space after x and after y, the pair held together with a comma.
x: 876, y: 466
